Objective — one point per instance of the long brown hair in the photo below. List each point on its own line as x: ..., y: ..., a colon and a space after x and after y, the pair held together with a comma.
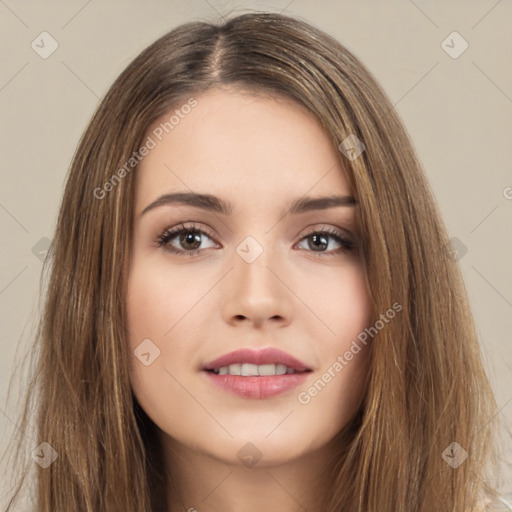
x: 426, y: 384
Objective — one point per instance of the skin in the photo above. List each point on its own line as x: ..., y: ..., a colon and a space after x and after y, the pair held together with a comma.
x: 260, y: 154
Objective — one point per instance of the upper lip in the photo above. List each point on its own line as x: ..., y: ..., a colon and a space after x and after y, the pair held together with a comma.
x: 261, y: 356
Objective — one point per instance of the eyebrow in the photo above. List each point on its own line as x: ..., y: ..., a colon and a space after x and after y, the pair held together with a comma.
x: 216, y: 204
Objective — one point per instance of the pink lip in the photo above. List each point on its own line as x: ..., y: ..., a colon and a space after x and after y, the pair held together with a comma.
x: 263, y: 356
x: 257, y: 387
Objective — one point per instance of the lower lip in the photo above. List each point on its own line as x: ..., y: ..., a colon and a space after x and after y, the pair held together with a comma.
x: 258, y: 387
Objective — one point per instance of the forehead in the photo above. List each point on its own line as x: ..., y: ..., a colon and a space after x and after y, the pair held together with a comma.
x: 242, y: 143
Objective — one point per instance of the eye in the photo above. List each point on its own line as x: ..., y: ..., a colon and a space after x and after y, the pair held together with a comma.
x: 189, y: 240
x: 319, y: 240
x: 188, y: 237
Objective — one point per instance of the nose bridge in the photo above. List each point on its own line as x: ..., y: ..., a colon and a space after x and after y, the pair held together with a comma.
x: 253, y: 261
x: 254, y: 290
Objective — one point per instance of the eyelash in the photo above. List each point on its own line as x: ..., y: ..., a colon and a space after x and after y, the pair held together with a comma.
x: 164, y: 239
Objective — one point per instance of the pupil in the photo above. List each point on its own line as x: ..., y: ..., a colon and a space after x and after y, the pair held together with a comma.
x: 322, y: 239
x: 191, y: 238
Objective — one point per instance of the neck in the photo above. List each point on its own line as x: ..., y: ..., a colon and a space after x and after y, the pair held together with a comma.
x: 202, y: 483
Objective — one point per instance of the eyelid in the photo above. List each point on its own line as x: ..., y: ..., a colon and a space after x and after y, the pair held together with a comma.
x: 319, y: 227
x: 187, y: 226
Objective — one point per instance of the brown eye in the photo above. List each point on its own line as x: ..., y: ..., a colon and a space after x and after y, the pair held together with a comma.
x: 183, y: 240
x: 190, y: 240
x: 318, y: 241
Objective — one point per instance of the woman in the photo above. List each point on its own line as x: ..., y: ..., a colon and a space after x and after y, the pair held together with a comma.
x: 252, y: 301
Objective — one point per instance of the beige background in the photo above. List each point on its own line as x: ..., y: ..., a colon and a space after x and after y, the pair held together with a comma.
x: 457, y: 111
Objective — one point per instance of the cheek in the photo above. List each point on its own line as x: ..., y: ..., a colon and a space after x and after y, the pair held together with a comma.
x: 153, y: 308
x: 158, y: 298
x: 162, y: 305
x: 146, y: 305
x: 352, y: 317
x: 354, y: 308
x: 154, y: 312
x: 340, y: 301
x: 344, y: 306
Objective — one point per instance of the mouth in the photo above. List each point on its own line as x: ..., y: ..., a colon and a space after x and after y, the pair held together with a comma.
x: 257, y: 374
x: 254, y: 370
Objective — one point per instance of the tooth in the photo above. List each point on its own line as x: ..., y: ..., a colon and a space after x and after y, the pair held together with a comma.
x: 267, y: 369
x: 235, y: 369
x: 248, y: 370
x: 280, y: 369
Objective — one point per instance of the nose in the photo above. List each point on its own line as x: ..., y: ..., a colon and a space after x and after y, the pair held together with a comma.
x: 256, y: 293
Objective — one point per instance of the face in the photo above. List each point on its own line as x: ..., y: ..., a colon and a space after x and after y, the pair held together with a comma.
x: 205, y: 282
